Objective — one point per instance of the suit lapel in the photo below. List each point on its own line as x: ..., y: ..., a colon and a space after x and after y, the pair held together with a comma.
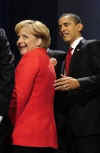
x: 80, y: 46
x: 76, y: 56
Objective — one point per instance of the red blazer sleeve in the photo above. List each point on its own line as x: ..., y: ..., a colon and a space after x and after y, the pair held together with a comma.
x: 25, y: 76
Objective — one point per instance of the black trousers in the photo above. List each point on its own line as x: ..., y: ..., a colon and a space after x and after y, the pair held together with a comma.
x: 83, y: 144
x: 86, y: 144
x: 5, y: 130
x: 69, y: 143
x: 23, y: 149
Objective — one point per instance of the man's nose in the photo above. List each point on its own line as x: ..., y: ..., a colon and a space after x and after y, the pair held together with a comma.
x: 63, y: 28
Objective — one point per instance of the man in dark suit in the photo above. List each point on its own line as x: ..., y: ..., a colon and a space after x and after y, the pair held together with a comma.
x: 6, y: 85
x: 77, y: 104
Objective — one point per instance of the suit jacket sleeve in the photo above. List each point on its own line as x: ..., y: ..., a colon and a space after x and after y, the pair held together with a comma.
x: 6, y: 73
x: 58, y: 54
x: 91, y: 83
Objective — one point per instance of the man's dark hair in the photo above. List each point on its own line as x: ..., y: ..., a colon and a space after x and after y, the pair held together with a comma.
x: 75, y: 17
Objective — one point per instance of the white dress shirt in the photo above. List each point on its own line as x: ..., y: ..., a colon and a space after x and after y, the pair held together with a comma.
x: 75, y: 43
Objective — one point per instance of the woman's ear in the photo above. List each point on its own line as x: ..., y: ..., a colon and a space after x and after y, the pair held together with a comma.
x: 39, y: 42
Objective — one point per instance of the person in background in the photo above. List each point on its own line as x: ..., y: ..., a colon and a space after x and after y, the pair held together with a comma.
x: 77, y: 105
x: 56, y: 58
x: 6, y: 86
x: 32, y: 104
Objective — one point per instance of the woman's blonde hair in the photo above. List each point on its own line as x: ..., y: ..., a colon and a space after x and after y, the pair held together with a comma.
x: 39, y: 29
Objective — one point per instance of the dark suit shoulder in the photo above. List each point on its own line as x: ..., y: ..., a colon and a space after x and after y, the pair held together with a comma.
x: 94, y: 41
x: 2, y: 30
x: 93, y: 45
x: 3, y: 39
x: 93, y: 49
x: 2, y: 35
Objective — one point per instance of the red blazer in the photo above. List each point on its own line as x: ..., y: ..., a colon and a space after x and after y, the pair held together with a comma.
x: 31, y: 109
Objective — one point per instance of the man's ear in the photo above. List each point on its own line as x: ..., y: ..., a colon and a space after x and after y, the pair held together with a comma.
x: 80, y: 26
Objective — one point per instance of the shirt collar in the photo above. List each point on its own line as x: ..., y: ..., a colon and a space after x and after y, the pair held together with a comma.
x: 76, y: 42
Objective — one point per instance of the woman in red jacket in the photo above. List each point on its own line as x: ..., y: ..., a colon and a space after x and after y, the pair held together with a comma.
x: 31, y: 110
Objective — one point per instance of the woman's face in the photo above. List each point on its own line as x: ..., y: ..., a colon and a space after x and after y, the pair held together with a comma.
x: 26, y: 40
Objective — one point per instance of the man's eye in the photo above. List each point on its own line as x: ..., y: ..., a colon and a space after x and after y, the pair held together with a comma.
x: 66, y: 24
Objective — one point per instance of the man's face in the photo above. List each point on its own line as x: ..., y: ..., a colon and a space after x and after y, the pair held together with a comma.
x: 68, y: 29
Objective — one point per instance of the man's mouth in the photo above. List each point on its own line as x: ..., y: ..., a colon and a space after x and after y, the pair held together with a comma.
x: 65, y: 34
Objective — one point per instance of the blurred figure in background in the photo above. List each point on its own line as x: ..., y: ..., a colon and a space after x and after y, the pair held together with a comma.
x: 6, y: 86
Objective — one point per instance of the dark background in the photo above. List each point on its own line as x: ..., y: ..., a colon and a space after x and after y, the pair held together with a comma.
x: 48, y: 11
